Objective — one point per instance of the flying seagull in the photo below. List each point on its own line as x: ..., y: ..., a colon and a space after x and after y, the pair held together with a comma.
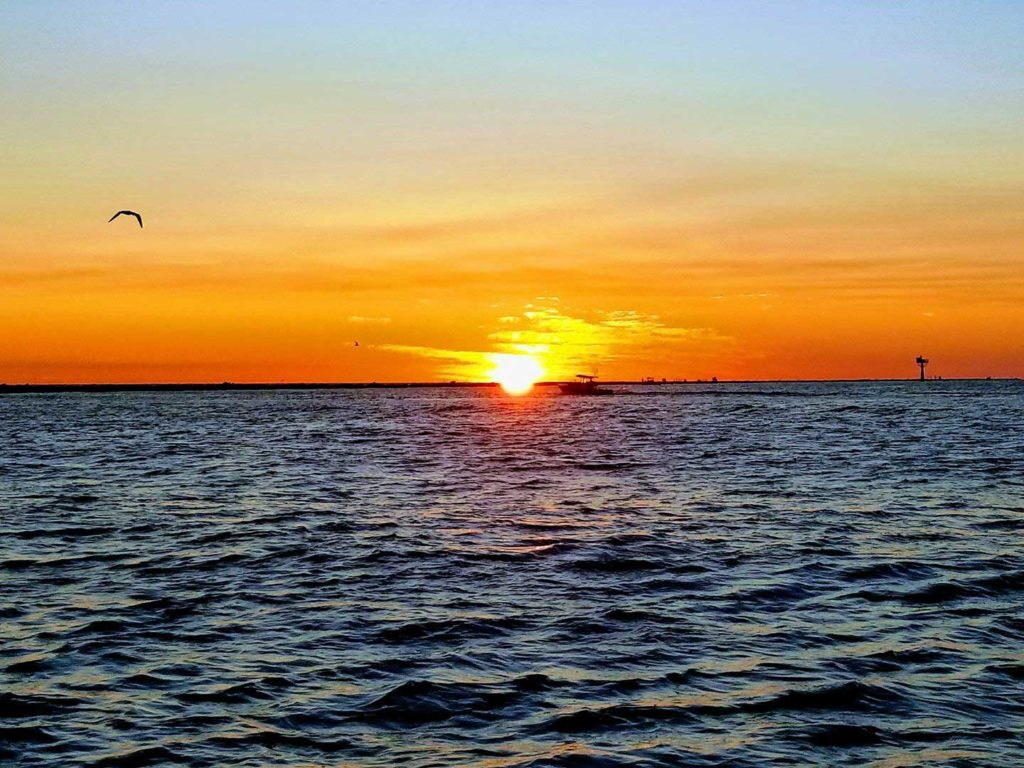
x: 126, y: 213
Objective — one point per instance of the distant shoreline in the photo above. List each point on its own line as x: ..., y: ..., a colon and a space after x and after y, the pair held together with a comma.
x: 265, y: 386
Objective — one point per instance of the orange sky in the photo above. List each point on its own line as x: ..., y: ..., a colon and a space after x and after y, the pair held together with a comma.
x: 445, y: 194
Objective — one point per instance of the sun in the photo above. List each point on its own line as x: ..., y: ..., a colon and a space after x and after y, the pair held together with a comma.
x: 516, y: 373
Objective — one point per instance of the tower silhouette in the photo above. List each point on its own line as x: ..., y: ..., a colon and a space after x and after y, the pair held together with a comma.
x: 922, y: 362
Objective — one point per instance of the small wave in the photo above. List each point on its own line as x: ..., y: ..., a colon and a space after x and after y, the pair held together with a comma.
x: 612, y: 717
x: 1003, y: 584
x: 228, y: 694
x: 69, y: 563
x: 845, y: 697
x: 1009, y: 524
x: 507, y: 555
x: 141, y: 528
x: 533, y: 525
x: 139, y: 758
x: 894, y: 660
x: 940, y: 592
x: 101, y: 627
x: 986, y: 733
x: 872, y: 595
x: 389, y: 666
x: 147, y: 681
x: 911, y: 655
x: 231, y: 534
x: 219, y: 634
x: 612, y: 564
x: 62, y: 533
x: 577, y: 627
x: 159, y: 472
x: 424, y: 701
x: 574, y: 756
x: 842, y: 735
x: 168, y: 608
x: 443, y: 630
x: 776, y: 597
x: 17, y: 564
x: 28, y: 734
x: 271, y: 739
x: 1012, y: 671
x: 75, y: 499
x: 607, y: 466
x: 338, y: 526
x: 903, y: 569
x: 399, y: 555
x: 628, y: 615
x: 29, y: 665
x: 15, y: 706
x: 535, y: 682
x: 949, y: 591
x: 173, y: 565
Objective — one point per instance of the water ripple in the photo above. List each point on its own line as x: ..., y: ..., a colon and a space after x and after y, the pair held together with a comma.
x: 738, y: 575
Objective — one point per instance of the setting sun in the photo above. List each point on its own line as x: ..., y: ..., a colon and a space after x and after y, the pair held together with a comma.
x: 517, y: 373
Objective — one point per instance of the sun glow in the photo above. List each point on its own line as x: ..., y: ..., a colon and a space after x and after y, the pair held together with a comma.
x: 516, y: 373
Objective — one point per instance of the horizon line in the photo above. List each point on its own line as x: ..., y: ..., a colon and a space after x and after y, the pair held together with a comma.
x: 228, y: 386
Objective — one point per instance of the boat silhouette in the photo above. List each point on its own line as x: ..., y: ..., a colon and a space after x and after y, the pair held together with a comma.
x: 586, y: 385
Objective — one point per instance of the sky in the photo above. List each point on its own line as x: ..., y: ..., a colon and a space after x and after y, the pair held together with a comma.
x: 755, y: 190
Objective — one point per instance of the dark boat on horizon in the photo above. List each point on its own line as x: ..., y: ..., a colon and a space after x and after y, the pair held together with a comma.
x: 586, y: 385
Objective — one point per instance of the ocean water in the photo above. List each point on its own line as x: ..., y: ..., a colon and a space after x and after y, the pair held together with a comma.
x: 683, y: 575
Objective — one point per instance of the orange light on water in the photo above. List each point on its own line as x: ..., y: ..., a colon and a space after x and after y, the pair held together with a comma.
x: 517, y: 373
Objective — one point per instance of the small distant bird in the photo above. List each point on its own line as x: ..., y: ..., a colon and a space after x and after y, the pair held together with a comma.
x: 357, y: 343
x: 126, y: 213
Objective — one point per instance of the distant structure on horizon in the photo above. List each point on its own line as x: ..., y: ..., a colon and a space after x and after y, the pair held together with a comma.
x: 922, y: 361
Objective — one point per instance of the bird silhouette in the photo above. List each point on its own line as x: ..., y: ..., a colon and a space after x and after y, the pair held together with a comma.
x: 357, y: 343
x: 126, y: 213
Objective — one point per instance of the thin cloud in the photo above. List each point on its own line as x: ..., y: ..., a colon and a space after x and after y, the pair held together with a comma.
x: 463, y: 364
x: 565, y: 343
x: 362, y: 320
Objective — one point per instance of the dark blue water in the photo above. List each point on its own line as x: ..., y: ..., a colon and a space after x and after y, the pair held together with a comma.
x: 761, y: 575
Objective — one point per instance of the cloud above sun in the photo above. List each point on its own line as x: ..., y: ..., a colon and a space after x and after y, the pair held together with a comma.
x: 565, y: 343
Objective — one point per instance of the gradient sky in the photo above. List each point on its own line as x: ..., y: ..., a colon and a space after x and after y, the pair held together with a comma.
x: 747, y: 190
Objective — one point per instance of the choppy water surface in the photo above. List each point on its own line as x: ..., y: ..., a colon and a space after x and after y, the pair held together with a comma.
x: 744, y: 576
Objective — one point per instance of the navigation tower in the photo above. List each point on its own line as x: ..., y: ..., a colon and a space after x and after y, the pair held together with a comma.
x: 922, y: 362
